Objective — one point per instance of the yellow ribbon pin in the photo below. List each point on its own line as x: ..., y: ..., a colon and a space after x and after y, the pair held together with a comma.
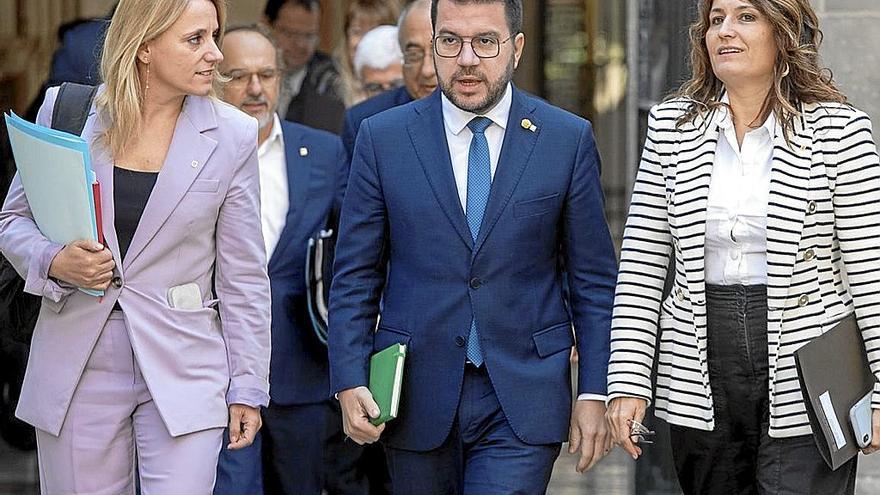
x: 528, y: 125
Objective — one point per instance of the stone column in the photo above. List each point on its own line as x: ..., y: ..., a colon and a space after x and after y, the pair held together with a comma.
x: 850, y: 50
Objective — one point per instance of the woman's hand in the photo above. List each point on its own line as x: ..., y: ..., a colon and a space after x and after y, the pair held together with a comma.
x: 875, y: 436
x: 84, y: 264
x: 621, y: 412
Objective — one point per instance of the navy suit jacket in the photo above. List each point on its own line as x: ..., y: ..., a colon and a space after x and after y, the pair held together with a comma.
x: 545, y: 210
x: 299, y: 371
x: 377, y: 104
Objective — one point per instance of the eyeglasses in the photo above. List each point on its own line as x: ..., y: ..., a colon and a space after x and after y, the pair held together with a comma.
x: 243, y: 77
x: 375, y: 87
x: 639, y: 433
x: 413, y: 57
x: 450, y: 45
x: 299, y: 37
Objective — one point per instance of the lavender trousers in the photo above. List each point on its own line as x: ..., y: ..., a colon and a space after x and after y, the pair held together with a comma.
x: 113, y: 430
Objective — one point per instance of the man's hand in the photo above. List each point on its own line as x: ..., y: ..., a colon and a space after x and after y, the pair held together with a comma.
x: 358, y: 407
x: 621, y: 412
x: 589, y: 433
x: 875, y: 436
x: 85, y: 264
x: 244, y: 423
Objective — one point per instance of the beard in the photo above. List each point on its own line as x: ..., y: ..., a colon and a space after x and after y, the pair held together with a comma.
x: 265, y: 117
x: 494, y: 89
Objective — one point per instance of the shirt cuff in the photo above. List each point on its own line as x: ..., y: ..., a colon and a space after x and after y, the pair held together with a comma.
x: 252, y: 397
x: 602, y: 398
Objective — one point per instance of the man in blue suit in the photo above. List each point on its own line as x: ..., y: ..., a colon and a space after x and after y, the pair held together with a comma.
x: 301, y: 182
x: 420, y: 80
x: 475, y: 197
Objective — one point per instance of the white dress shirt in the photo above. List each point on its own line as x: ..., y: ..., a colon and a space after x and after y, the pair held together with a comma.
x: 274, y: 196
x: 736, y: 218
x: 458, y: 137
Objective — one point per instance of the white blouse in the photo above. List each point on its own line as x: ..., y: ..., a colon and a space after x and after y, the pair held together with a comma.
x: 736, y: 219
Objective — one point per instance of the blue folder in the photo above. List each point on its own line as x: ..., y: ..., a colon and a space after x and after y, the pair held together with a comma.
x: 56, y: 173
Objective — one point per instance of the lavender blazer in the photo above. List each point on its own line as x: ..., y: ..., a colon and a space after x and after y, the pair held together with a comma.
x: 202, y: 225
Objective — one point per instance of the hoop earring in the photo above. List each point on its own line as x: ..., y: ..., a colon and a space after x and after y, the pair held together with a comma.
x: 786, y: 70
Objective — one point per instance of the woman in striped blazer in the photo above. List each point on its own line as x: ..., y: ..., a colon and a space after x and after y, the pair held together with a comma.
x: 765, y: 184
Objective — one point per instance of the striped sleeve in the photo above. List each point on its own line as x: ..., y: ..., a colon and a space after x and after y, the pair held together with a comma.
x: 857, y: 224
x: 644, y: 261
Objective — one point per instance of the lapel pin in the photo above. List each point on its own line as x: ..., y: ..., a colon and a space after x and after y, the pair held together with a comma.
x: 303, y: 151
x: 528, y: 125
x: 194, y: 164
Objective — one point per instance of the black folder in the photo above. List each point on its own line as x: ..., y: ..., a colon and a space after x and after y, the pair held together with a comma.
x: 834, y: 365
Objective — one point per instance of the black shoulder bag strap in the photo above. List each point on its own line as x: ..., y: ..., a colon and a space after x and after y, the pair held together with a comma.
x: 72, y: 107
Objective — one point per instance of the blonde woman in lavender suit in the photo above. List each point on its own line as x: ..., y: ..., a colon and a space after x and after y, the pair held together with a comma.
x: 148, y: 373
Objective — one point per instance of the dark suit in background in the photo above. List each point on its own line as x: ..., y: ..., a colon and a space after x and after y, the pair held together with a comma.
x: 317, y: 104
x: 377, y: 104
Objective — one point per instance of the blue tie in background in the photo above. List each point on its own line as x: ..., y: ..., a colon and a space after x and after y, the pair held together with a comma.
x: 479, y: 184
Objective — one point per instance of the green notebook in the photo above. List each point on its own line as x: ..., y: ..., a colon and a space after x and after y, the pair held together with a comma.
x: 386, y: 377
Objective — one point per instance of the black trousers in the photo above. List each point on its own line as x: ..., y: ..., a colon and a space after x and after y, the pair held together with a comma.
x: 739, y: 457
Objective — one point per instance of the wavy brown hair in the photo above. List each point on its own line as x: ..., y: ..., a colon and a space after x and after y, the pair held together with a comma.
x: 797, y: 77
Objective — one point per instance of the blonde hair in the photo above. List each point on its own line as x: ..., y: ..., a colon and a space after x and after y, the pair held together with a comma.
x: 797, y: 76
x: 134, y: 23
x: 381, y: 12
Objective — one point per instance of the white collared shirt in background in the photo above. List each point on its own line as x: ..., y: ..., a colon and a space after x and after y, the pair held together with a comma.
x: 458, y: 137
x: 274, y: 196
x: 736, y: 217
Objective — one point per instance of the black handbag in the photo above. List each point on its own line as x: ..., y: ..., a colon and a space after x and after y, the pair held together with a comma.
x: 18, y: 309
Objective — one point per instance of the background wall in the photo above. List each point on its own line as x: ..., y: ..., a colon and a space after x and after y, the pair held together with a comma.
x: 852, y: 43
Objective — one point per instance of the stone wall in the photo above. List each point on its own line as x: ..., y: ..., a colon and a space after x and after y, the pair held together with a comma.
x: 852, y: 50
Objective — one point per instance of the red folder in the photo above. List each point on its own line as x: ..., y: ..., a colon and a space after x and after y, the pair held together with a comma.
x: 99, y: 221
x: 96, y: 193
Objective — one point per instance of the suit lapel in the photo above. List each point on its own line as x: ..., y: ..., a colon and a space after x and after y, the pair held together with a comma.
x: 428, y: 135
x: 692, y: 179
x: 187, y: 155
x: 299, y: 178
x: 102, y: 165
x: 786, y: 212
x: 516, y: 150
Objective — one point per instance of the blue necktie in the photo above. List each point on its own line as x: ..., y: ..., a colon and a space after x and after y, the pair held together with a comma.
x: 479, y: 184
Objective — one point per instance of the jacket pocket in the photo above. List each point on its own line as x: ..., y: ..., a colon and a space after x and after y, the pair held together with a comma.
x: 386, y: 337
x: 205, y: 186
x: 554, y: 339
x: 534, y: 207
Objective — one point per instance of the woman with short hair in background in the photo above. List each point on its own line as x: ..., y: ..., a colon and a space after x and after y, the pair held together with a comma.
x: 764, y: 183
x: 361, y: 16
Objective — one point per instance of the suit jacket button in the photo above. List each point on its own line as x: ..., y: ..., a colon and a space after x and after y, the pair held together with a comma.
x: 475, y: 283
x: 460, y: 341
x: 116, y: 282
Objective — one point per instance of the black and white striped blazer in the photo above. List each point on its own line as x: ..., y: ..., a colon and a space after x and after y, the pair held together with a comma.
x: 823, y: 259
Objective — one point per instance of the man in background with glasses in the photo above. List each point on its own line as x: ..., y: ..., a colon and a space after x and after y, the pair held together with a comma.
x: 475, y: 197
x: 301, y: 182
x: 377, y: 61
x: 419, y: 79
x: 310, y: 91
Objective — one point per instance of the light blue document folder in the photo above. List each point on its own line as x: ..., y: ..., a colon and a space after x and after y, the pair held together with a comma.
x: 56, y: 173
